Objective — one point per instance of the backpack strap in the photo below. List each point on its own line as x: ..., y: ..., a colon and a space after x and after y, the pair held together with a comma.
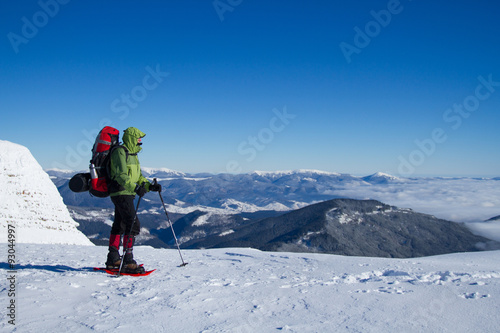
x: 113, y: 185
x: 108, y: 164
x: 119, y: 146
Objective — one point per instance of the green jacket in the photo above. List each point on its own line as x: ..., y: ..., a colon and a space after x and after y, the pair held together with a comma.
x: 125, y: 169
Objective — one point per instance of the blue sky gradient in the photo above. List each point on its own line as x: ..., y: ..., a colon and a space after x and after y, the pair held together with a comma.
x: 239, y: 85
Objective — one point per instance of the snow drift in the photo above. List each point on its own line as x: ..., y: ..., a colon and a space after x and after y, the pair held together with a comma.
x: 31, y: 204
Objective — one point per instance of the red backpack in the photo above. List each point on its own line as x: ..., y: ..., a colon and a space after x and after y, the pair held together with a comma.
x: 107, y: 139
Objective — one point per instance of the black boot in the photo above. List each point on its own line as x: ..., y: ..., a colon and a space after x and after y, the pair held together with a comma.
x: 129, y: 264
x: 114, y: 259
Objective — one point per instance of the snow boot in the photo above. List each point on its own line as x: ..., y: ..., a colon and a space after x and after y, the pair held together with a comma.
x: 129, y: 264
x: 114, y: 259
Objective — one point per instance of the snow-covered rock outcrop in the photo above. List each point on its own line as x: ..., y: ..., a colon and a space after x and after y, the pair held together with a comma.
x: 30, y: 203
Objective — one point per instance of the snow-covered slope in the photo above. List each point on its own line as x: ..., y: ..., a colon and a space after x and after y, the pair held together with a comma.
x: 31, y: 204
x: 245, y: 290
x: 340, y: 226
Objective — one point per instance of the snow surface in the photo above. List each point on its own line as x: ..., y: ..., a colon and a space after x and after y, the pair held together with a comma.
x: 246, y: 290
x: 202, y: 220
x: 31, y: 203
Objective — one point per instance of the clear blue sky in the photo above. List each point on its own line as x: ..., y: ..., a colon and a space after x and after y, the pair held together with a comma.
x: 403, y: 87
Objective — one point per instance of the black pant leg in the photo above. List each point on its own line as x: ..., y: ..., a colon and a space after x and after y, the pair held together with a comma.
x: 117, y: 228
x: 125, y: 216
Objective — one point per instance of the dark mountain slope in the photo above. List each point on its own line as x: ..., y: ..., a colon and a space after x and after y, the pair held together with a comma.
x: 351, y: 227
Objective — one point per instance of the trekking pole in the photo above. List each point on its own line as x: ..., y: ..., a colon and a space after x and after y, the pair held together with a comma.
x: 171, y: 225
x: 130, y: 233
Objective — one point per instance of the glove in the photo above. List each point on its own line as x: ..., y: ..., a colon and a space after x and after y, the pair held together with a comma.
x: 155, y: 187
x: 140, y: 190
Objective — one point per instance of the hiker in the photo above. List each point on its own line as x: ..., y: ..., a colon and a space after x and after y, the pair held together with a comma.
x: 126, y: 181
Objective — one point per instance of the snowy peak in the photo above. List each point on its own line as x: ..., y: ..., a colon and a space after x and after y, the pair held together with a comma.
x: 31, y: 204
x: 380, y: 178
x: 60, y: 172
x: 16, y: 159
x: 162, y: 173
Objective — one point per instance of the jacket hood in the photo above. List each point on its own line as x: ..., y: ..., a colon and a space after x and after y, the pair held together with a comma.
x: 130, y: 137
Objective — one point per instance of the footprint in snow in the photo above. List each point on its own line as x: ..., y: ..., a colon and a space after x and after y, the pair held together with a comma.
x: 474, y: 296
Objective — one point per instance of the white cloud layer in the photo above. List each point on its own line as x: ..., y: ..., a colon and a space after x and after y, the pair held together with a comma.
x: 456, y: 199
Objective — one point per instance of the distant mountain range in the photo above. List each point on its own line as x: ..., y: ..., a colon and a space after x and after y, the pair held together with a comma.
x: 234, y: 193
x: 283, y: 211
x: 347, y: 227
